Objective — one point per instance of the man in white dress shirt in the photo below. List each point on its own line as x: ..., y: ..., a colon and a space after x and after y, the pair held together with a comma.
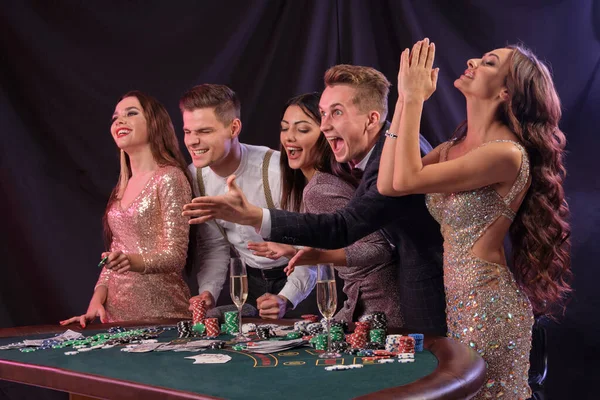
x: 211, y: 124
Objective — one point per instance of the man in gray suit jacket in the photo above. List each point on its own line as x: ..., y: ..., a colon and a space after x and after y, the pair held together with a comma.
x: 353, y: 109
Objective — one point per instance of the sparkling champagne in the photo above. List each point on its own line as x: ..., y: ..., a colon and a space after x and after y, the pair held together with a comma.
x: 239, y: 289
x: 326, y: 297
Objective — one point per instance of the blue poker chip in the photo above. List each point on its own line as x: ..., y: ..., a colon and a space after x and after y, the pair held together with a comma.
x: 419, y: 337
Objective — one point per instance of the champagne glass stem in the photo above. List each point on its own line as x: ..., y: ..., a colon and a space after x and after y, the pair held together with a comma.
x: 328, y: 335
x: 239, y: 321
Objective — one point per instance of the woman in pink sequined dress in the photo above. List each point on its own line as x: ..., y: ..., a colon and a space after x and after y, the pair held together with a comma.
x: 143, y: 226
x: 501, y: 174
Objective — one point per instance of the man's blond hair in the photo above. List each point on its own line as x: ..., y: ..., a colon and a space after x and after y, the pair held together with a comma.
x: 372, y: 87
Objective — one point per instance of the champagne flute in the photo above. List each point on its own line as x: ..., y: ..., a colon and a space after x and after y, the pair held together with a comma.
x: 238, y: 291
x: 327, y: 301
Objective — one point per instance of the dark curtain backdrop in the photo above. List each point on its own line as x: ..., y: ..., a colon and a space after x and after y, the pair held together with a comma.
x: 65, y: 63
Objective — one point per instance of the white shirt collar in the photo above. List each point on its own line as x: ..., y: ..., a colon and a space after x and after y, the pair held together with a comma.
x: 363, y: 163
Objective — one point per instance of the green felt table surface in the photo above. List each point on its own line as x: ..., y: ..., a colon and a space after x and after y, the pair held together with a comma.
x: 296, y: 373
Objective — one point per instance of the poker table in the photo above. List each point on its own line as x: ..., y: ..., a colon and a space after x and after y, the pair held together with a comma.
x: 444, y: 370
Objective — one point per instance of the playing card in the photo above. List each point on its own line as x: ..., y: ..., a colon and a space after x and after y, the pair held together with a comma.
x: 194, y: 345
x: 210, y: 358
x: 145, y: 347
x: 67, y: 335
x: 272, y: 346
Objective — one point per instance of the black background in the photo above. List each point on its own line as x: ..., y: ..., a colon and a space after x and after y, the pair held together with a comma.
x: 64, y: 64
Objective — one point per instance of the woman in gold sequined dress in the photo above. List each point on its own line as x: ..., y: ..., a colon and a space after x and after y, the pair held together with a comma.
x: 143, y: 226
x: 502, y: 173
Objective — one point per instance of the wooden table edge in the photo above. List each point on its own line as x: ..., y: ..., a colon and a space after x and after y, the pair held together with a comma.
x: 459, y: 375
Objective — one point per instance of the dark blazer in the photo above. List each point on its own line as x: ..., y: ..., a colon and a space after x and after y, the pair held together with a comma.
x: 406, y: 223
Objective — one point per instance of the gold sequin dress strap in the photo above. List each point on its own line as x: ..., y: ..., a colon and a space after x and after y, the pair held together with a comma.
x: 520, y: 181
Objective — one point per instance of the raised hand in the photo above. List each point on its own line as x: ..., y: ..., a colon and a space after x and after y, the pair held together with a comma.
x: 232, y: 206
x: 417, y: 80
x: 304, y: 256
x: 272, y: 250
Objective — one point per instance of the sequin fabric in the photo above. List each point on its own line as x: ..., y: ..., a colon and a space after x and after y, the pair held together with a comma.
x: 485, y: 308
x: 152, y: 226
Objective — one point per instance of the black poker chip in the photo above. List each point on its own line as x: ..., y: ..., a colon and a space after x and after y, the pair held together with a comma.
x: 217, y: 344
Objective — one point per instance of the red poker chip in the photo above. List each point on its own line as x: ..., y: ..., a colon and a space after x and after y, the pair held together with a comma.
x: 382, y: 353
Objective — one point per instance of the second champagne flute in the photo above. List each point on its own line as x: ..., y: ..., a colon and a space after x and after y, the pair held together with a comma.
x: 327, y: 301
x: 238, y: 291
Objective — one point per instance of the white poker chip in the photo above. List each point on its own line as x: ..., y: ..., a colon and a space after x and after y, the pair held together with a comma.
x: 386, y: 361
x: 406, y: 360
x: 150, y: 341
x: 85, y: 349
x: 246, y: 328
x: 98, y: 346
x: 108, y: 346
x: 337, y: 368
x: 355, y: 366
x: 71, y: 353
x: 406, y: 355
x: 127, y: 349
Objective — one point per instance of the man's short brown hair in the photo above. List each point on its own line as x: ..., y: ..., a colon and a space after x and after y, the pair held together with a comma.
x: 372, y: 86
x: 220, y: 97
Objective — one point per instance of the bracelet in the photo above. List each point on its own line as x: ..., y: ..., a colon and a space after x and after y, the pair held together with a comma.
x: 390, y: 134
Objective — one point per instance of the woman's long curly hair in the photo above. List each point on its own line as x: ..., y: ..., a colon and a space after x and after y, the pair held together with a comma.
x: 163, y: 145
x: 540, y: 233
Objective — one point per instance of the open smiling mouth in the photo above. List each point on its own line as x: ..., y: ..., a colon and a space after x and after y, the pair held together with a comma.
x: 123, y: 132
x: 199, y: 152
x: 294, y: 152
x: 336, y: 143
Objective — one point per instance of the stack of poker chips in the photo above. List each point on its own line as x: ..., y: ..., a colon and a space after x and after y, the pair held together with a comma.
x: 379, y: 321
x: 199, y: 328
x: 319, y: 342
x: 310, y: 318
x: 217, y: 344
x: 340, y: 346
x: 212, y: 327
x: 418, y: 340
x: 198, y: 311
x: 293, y: 335
x: 360, y: 337
x: 343, y: 325
x: 374, y: 346
x: 185, y: 329
x: 198, y: 316
x: 399, y: 344
x: 301, y: 326
x: 336, y: 334
x: 315, y: 328
x: 264, y: 332
x: 377, y: 336
x: 357, y: 340
x: 362, y: 327
x: 248, y: 327
x: 231, y: 322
